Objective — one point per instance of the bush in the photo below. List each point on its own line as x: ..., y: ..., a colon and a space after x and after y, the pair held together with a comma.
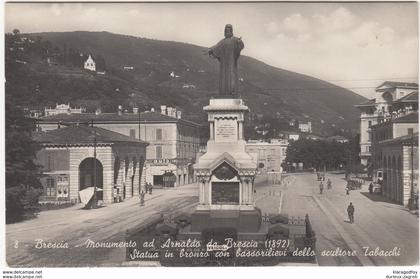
x: 20, y: 200
x: 14, y: 204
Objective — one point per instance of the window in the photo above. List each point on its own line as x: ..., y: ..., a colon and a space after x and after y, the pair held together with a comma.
x: 369, y: 123
x: 50, y: 162
x: 132, y: 133
x: 50, y: 187
x: 410, y: 131
x: 158, y: 152
x: 63, y: 179
x: 158, y: 134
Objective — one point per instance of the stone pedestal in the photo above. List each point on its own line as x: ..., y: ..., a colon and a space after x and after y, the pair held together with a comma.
x: 226, y: 172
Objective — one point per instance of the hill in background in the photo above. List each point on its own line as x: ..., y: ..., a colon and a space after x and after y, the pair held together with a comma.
x: 174, y: 74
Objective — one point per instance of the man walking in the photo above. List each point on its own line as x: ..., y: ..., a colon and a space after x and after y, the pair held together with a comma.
x: 350, y: 212
x: 321, y: 187
x: 142, y: 194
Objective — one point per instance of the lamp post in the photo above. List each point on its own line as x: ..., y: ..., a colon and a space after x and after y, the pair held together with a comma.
x: 138, y: 163
x: 95, y: 198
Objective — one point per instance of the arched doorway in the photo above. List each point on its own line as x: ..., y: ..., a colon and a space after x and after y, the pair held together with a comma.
x: 87, y: 177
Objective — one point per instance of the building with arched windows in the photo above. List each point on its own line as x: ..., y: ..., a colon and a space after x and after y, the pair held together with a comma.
x: 77, y: 157
x: 173, y: 142
x: 399, y: 161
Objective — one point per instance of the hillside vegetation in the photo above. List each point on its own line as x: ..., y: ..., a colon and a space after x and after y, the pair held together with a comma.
x: 170, y: 73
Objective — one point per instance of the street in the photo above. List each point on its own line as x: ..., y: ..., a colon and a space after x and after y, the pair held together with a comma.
x: 75, y: 226
x: 377, y: 224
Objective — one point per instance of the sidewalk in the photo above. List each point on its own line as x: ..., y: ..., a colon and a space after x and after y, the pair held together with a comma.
x: 378, y: 224
x: 75, y: 225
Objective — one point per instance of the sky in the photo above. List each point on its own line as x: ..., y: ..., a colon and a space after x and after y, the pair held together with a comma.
x: 353, y: 45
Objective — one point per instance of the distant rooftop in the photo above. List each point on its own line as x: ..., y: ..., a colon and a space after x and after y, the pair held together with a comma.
x: 393, y: 84
x: 412, y: 97
x: 82, y: 135
x: 367, y: 103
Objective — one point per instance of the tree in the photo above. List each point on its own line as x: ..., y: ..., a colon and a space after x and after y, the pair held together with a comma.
x: 22, y: 184
x: 318, y: 154
x: 16, y: 32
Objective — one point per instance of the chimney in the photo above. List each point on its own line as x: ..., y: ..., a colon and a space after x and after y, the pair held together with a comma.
x: 135, y: 110
x: 178, y: 114
x: 120, y: 110
x: 163, y: 109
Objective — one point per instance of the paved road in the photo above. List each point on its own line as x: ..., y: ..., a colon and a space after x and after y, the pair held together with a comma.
x: 377, y: 224
x: 75, y: 225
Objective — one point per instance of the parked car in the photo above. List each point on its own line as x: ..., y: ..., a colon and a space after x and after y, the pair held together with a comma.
x: 354, y: 184
x: 377, y: 188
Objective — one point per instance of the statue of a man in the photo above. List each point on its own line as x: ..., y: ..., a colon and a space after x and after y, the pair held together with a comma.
x: 227, y: 51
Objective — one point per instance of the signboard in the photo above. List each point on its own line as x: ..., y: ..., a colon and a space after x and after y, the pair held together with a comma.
x: 226, y: 130
x: 161, y: 161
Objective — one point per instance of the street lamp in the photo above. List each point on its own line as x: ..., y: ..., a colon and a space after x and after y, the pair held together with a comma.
x: 138, y: 162
x: 95, y: 198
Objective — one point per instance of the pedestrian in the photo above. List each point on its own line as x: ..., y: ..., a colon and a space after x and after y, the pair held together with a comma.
x: 321, y: 187
x: 142, y: 194
x: 329, y: 184
x: 350, y: 212
x: 371, y: 188
x: 150, y: 189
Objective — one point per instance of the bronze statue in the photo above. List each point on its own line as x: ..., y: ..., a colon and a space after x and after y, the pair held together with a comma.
x: 227, y: 51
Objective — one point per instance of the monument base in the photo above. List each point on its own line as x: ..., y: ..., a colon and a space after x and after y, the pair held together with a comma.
x: 240, y: 220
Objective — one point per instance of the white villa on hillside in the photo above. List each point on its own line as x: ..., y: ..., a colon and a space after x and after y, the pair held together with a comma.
x: 90, y: 64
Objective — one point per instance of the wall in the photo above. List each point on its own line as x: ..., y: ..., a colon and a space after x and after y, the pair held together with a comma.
x: 401, y: 129
x: 270, y: 155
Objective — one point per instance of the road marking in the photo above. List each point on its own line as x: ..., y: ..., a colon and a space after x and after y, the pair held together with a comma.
x: 345, y: 235
x: 369, y: 242
x: 281, y: 201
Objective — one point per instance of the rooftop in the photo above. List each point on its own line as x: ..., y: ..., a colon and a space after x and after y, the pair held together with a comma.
x: 337, y: 137
x: 149, y: 117
x: 82, y: 135
x: 393, y: 84
x: 407, y: 139
x: 368, y: 103
x: 412, y: 97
